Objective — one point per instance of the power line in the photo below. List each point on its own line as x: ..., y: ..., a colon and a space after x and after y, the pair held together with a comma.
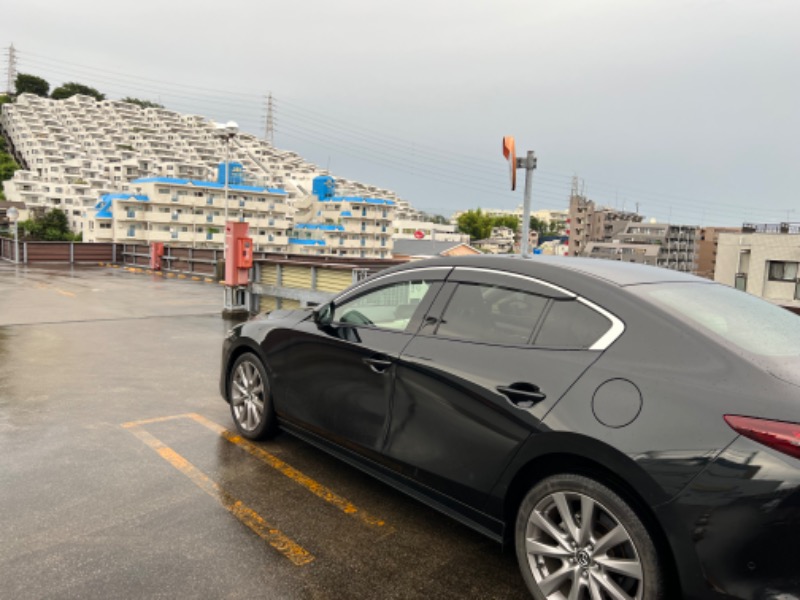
x: 244, y: 105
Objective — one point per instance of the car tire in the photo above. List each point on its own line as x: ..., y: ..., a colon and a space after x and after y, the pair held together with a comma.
x: 250, y: 398
x: 572, y: 530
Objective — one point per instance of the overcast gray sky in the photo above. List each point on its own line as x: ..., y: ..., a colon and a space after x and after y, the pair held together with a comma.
x: 688, y: 108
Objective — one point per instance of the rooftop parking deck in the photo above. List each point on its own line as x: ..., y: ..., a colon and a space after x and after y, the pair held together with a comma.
x: 119, y: 477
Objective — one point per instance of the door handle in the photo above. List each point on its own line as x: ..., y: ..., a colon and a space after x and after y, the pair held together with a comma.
x: 377, y: 365
x: 524, y: 395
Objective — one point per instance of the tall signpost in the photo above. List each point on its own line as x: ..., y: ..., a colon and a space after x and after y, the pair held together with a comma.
x: 529, y: 164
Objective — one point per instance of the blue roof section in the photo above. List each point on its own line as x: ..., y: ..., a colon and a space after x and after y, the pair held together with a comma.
x: 319, y: 227
x: 104, y: 206
x: 209, y: 184
x: 346, y: 213
x: 358, y: 199
x: 302, y: 242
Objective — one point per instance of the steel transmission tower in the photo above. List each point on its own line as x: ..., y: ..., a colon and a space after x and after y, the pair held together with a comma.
x: 11, y: 70
x: 269, y: 134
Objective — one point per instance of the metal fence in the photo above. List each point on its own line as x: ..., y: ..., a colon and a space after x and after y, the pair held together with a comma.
x: 30, y: 252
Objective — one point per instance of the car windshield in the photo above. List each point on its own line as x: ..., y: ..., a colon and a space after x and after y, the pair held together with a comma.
x: 747, y: 322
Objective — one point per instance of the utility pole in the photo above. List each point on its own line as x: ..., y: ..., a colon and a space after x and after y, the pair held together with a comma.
x: 11, y: 70
x: 529, y: 164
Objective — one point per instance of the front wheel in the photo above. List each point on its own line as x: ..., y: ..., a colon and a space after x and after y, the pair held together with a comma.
x: 250, y: 398
x: 576, y: 539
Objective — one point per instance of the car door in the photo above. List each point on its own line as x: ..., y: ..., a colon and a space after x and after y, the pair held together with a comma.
x: 474, y: 384
x: 340, y: 376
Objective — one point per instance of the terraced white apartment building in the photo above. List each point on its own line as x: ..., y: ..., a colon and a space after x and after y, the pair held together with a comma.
x: 95, y: 159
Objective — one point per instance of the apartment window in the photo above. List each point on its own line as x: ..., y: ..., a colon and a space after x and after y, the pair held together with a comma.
x: 131, y: 231
x: 363, y: 241
x: 782, y: 270
x: 174, y: 235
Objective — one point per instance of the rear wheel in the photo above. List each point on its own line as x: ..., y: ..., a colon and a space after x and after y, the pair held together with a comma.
x: 250, y: 398
x: 576, y: 539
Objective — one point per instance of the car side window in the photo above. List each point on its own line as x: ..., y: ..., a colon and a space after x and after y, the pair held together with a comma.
x: 491, y: 314
x: 571, y: 324
x: 389, y: 307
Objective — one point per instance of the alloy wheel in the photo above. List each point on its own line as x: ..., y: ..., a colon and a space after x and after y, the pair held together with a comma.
x: 248, y: 395
x: 578, y: 550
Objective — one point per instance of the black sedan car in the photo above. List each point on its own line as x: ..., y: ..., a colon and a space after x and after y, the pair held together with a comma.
x: 631, y: 431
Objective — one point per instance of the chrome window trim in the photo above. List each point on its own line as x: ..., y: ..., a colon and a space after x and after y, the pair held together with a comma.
x: 351, y: 291
x: 610, y: 336
x: 518, y: 276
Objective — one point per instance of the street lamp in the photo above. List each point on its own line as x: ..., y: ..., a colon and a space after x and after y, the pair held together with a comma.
x: 226, y: 132
x: 13, y: 214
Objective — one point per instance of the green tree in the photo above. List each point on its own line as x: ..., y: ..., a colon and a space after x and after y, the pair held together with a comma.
x: 142, y: 103
x: 5, y: 99
x: 53, y: 226
x: 509, y: 221
x: 72, y: 88
x: 476, y: 223
x: 543, y: 227
x: 31, y: 84
x: 7, y: 166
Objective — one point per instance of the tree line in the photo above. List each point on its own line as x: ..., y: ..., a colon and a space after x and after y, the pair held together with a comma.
x: 479, y: 224
x: 33, y: 84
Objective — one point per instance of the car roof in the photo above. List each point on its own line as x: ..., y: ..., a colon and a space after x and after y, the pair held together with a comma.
x: 611, y: 271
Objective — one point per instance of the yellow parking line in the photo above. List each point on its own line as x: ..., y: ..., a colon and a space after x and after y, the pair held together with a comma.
x: 131, y: 424
x: 274, y: 537
x: 314, y: 487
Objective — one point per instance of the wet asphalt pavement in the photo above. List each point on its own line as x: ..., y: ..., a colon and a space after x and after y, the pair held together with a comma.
x: 118, y: 478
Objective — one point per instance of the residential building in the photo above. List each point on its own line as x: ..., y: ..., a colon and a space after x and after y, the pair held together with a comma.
x: 707, y: 249
x: 657, y: 244
x: 78, y: 150
x: 189, y: 213
x: 763, y: 260
x: 411, y: 229
x: 501, y: 241
x: 588, y: 222
x: 332, y: 225
x: 413, y: 249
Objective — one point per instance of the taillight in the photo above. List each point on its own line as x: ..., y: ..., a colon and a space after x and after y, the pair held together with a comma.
x: 778, y: 435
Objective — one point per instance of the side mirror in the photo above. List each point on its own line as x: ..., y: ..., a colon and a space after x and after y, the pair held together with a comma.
x: 323, y: 316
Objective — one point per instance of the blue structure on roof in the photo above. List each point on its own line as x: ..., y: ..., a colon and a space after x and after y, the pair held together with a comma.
x: 302, y: 242
x: 105, y: 206
x: 324, y: 186
x: 319, y: 227
x: 209, y: 184
x: 235, y: 173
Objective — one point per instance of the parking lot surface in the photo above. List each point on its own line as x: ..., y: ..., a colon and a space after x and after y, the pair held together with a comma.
x: 121, y: 475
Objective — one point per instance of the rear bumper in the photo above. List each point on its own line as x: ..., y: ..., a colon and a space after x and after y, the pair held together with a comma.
x: 741, y: 516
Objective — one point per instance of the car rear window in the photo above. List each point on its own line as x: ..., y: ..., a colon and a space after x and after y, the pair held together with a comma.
x: 570, y: 324
x: 744, y: 320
